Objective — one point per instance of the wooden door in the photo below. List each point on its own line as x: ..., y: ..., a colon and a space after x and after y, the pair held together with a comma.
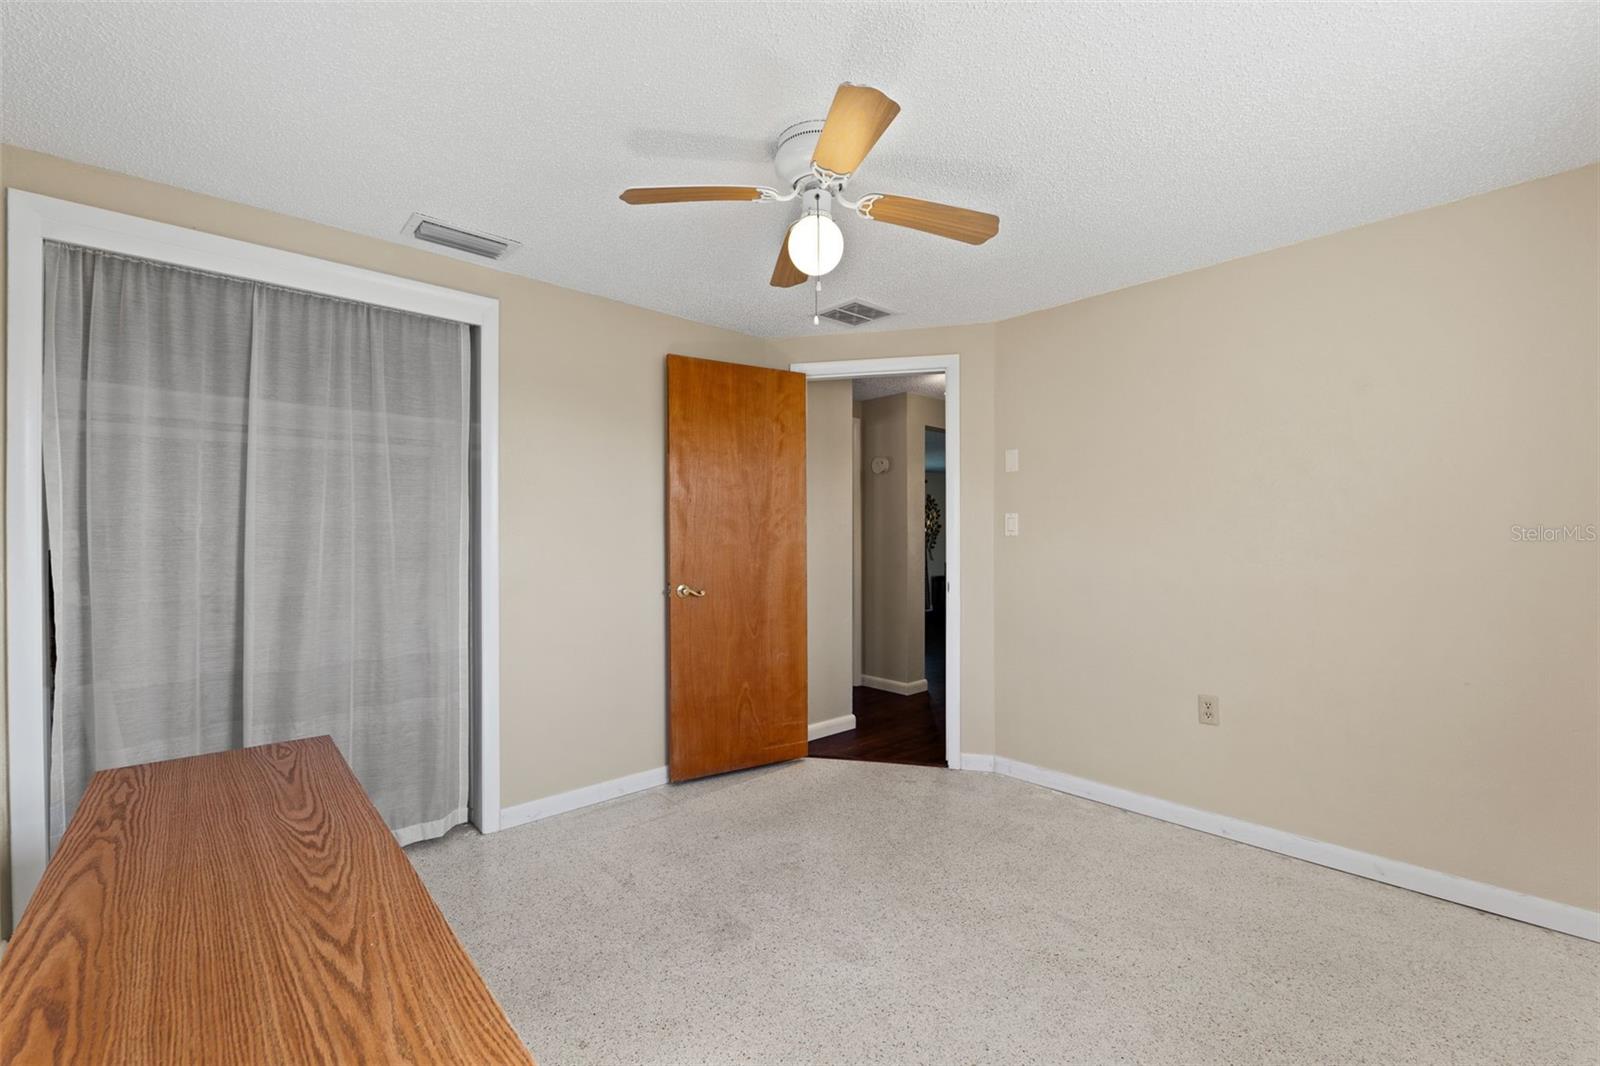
x: 736, y: 567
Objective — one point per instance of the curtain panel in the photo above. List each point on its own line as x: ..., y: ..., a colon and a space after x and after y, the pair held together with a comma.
x: 258, y: 504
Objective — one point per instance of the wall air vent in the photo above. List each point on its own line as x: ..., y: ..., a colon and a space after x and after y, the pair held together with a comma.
x: 483, y: 245
x: 855, y: 313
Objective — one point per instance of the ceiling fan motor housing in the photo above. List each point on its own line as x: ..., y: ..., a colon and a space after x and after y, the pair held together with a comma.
x: 792, y: 156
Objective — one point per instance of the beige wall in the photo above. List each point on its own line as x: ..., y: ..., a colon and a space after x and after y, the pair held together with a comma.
x: 582, y: 401
x: 830, y: 506
x: 1291, y: 481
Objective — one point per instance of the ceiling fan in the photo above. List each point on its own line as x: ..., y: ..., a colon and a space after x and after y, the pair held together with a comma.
x: 814, y: 161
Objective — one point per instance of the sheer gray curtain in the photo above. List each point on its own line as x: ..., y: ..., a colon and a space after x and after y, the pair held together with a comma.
x: 258, y: 508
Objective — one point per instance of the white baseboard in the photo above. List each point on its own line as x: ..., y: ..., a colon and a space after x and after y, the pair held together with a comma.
x: 1562, y: 917
x: 562, y: 802
x: 902, y: 688
x: 841, y: 724
x: 976, y: 762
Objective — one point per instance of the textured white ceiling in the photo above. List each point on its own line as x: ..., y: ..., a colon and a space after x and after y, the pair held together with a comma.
x: 1118, y: 143
x: 894, y: 384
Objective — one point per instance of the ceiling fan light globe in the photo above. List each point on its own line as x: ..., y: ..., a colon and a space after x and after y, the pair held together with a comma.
x: 816, y: 244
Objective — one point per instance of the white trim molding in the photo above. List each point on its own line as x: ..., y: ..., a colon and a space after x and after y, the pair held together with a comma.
x: 842, y: 724
x: 31, y: 220
x: 982, y: 763
x: 1562, y: 917
x: 950, y: 367
x: 902, y: 688
x: 587, y: 796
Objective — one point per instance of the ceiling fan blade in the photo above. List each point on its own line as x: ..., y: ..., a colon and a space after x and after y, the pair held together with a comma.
x: 856, y: 120
x: 786, y: 275
x: 957, y: 223
x: 690, y: 194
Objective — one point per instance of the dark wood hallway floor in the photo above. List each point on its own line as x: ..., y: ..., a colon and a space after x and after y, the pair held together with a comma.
x: 895, y: 728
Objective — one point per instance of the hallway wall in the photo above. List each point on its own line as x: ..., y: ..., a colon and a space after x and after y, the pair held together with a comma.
x: 830, y: 569
x: 892, y: 428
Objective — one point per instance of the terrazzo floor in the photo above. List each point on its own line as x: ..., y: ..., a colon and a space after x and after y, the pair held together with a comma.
x: 849, y: 912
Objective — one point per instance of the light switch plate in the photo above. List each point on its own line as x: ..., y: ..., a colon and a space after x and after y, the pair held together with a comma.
x: 1013, y: 461
x: 1012, y: 524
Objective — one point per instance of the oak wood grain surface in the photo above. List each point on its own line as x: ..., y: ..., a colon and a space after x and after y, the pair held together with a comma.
x: 785, y: 275
x: 942, y: 220
x: 689, y: 194
x: 856, y: 119
x: 736, y: 530
x: 243, y: 907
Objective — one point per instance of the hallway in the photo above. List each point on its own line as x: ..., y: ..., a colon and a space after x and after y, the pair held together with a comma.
x: 895, y: 728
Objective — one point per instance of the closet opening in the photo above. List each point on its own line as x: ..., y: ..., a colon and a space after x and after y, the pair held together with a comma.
x: 251, y: 499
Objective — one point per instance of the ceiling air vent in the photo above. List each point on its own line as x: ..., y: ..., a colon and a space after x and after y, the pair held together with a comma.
x: 855, y: 313
x: 432, y: 231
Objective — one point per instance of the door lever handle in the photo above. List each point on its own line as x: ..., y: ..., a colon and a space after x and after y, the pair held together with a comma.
x: 684, y: 592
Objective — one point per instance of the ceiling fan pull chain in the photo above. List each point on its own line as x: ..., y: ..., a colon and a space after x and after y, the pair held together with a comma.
x: 816, y: 294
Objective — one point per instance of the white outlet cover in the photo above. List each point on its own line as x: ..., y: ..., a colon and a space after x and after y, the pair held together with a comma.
x: 1013, y: 524
x: 1013, y: 460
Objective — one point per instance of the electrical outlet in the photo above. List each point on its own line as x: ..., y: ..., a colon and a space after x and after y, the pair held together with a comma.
x: 1209, y: 713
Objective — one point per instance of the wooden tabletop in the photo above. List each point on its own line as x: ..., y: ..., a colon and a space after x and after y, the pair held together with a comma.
x: 244, y: 907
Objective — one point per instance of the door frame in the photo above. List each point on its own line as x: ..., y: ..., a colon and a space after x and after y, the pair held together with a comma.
x: 856, y: 533
x: 950, y: 366
x: 31, y: 219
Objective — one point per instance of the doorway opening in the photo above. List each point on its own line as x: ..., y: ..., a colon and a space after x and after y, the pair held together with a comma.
x: 883, y: 548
